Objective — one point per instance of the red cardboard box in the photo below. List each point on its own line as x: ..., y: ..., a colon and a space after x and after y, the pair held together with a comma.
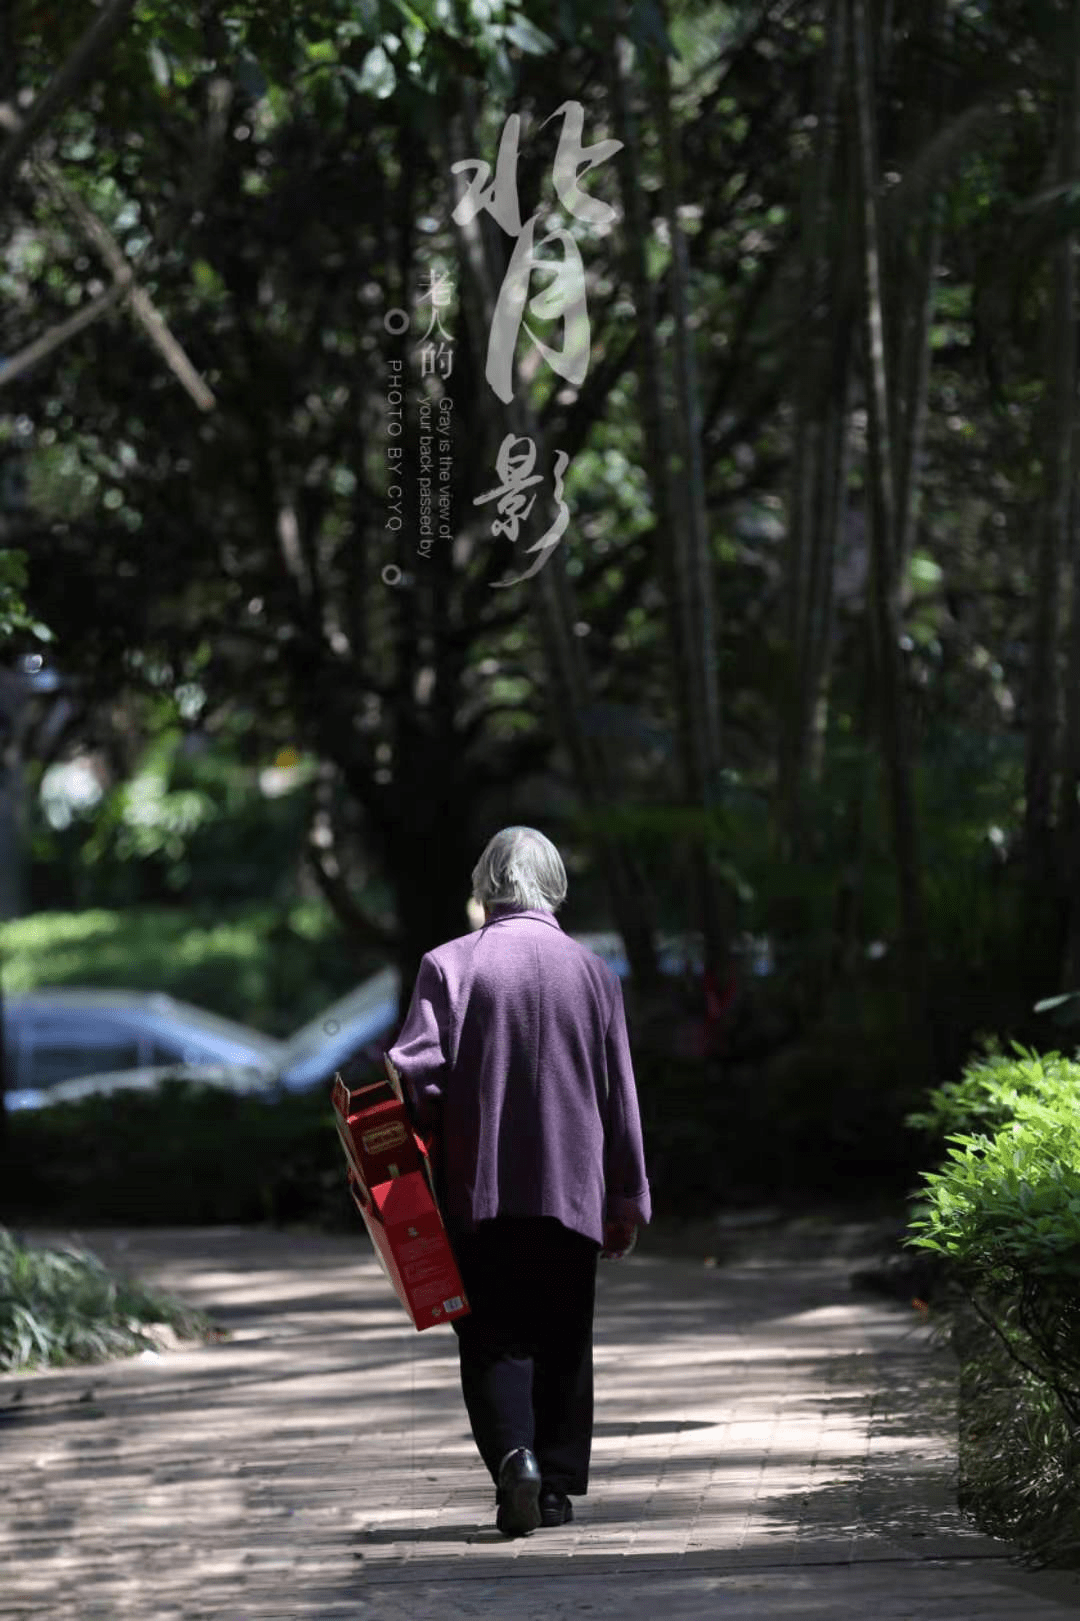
x: 376, y: 1132
x: 391, y: 1184
x: 410, y: 1240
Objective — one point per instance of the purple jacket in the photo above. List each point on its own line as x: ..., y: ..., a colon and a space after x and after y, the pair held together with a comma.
x: 515, y: 1052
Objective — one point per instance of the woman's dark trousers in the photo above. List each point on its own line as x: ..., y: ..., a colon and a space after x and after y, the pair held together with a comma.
x: 526, y: 1348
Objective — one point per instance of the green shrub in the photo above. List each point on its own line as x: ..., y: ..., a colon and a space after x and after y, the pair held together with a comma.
x: 825, y: 1112
x: 814, y: 1119
x: 62, y: 1305
x: 1005, y: 1208
x: 986, y: 1095
x: 184, y: 1153
x: 1019, y: 1452
x: 1004, y: 1211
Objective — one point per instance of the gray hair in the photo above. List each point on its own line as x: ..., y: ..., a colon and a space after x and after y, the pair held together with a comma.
x: 520, y: 868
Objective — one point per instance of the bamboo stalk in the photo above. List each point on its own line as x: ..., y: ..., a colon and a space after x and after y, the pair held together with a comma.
x: 809, y: 548
x: 1067, y: 381
x: 892, y: 712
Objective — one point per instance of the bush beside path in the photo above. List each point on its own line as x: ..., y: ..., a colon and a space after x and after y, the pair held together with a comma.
x: 768, y: 1443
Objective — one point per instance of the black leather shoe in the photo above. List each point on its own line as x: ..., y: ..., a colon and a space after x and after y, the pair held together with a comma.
x: 555, y: 1507
x: 517, y: 1499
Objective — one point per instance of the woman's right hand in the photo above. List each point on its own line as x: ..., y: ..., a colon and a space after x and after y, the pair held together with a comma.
x: 619, y: 1239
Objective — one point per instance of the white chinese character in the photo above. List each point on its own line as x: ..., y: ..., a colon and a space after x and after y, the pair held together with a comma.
x: 564, y: 296
x: 440, y: 289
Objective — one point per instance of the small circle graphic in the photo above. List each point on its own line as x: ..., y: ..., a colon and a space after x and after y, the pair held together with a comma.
x: 396, y: 321
x: 391, y: 574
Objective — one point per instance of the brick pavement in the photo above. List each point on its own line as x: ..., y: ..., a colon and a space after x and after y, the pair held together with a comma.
x: 768, y: 1444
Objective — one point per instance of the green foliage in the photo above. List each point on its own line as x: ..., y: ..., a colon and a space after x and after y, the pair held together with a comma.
x: 1004, y: 1211
x: 59, y: 1306
x: 270, y: 256
x: 268, y: 966
x: 190, y: 1154
x: 986, y: 1095
x: 191, y: 817
x: 1006, y: 1206
x: 181, y: 1154
x: 970, y: 790
x: 1019, y: 1452
x: 827, y: 1108
x: 148, y: 816
x: 14, y: 614
x: 776, y: 1118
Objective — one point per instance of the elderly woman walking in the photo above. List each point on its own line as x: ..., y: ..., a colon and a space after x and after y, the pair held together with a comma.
x: 515, y: 1055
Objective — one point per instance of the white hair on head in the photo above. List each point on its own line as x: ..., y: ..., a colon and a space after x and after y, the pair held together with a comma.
x: 520, y: 868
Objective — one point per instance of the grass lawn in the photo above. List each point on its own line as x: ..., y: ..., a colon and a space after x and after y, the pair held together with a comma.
x: 268, y: 966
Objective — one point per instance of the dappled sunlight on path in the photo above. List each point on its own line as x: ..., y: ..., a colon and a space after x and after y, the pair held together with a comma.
x: 765, y: 1440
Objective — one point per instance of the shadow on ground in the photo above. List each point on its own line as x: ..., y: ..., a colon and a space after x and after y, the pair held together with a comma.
x: 753, y: 1418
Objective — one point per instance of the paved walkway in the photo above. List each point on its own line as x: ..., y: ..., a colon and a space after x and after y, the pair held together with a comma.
x: 768, y: 1444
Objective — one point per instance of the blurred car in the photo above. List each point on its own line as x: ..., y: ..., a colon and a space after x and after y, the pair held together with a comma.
x: 66, y: 1043
x: 354, y: 1028
x: 64, y: 1034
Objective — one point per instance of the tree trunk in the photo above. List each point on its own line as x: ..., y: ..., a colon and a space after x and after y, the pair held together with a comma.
x: 911, y: 373
x: 817, y: 459
x: 430, y: 849
x: 1043, y: 724
x: 1065, y: 511
x: 696, y: 589
x: 884, y: 549
x: 672, y: 555
x: 679, y: 568
x: 9, y: 71
x: 830, y: 524
x: 699, y: 587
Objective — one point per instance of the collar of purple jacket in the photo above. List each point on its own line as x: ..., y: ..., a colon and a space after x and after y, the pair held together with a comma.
x: 505, y: 914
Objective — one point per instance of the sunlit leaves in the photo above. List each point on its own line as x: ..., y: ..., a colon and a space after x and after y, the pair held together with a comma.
x: 377, y: 76
x: 14, y: 614
x: 926, y: 575
x: 527, y: 37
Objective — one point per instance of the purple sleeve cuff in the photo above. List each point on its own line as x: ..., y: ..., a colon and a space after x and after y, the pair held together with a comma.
x: 635, y: 1208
